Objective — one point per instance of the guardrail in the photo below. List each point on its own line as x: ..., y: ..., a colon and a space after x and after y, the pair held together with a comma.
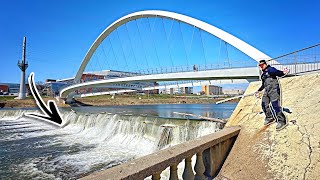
x: 211, y: 151
x: 195, y: 67
x: 301, y: 61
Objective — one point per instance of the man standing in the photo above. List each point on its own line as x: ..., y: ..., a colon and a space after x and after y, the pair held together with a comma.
x: 271, y: 96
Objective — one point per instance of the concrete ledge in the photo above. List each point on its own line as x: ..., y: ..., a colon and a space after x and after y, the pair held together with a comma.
x: 145, y: 166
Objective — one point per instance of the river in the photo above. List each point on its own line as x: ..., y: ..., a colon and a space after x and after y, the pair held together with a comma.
x: 96, y: 138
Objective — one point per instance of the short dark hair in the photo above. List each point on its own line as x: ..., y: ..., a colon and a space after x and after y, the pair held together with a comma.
x: 262, y: 62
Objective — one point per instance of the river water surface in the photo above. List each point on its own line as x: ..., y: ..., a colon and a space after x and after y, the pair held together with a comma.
x: 96, y: 138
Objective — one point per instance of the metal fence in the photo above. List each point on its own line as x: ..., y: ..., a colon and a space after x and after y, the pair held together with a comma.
x: 195, y: 67
x: 300, y: 61
x: 303, y: 61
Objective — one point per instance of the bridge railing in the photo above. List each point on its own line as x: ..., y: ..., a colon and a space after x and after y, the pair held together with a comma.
x: 210, y: 150
x: 195, y: 67
x: 309, y: 55
x: 177, y: 69
x: 301, y: 61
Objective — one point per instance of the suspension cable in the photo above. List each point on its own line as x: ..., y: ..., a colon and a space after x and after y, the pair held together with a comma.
x: 171, y: 27
x: 98, y: 62
x: 91, y: 71
x: 125, y: 57
x: 168, y: 44
x: 130, y: 41
x: 114, y: 55
x: 192, y: 38
x: 219, y: 57
x: 142, y: 44
x: 204, y: 53
x: 154, y: 23
x: 106, y: 56
x: 154, y: 44
x: 227, y: 54
x: 184, y: 45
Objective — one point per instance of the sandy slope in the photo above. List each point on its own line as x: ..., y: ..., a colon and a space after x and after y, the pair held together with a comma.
x: 261, y: 152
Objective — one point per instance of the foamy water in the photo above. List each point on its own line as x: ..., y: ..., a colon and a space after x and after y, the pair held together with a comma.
x: 87, y: 142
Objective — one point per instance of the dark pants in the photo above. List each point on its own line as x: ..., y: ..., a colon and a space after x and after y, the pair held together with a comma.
x: 271, y: 104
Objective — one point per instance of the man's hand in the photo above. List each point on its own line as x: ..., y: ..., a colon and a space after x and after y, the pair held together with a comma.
x: 257, y: 94
x: 285, y: 70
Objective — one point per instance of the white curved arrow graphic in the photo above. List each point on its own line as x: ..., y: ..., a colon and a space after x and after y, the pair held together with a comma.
x: 50, y: 111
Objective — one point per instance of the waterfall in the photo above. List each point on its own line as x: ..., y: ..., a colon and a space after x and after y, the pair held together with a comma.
x: 88, y: 142
x: 13, y: 114
x: 101, y: 127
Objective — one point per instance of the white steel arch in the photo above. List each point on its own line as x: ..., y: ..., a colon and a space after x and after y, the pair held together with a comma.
x: 230, y: 39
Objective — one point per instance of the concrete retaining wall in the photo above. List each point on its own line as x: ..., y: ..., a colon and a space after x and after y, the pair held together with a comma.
x: 261, y: 152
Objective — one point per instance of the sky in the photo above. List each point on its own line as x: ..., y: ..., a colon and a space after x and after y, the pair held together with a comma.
x: 60, y: 32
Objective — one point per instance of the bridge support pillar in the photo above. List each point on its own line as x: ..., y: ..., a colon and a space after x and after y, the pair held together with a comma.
x: 69, y: 99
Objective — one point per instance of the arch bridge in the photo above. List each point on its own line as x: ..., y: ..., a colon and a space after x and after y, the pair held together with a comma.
x: 221, y: 74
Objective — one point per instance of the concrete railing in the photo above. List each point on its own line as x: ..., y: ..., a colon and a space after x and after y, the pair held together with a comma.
x: 211, y: 151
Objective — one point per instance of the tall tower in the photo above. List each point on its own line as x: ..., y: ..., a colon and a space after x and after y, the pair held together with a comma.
x: 23, y: 65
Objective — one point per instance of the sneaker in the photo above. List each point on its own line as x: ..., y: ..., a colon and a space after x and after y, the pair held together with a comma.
x: 268, y: 121
x: 281, y: 125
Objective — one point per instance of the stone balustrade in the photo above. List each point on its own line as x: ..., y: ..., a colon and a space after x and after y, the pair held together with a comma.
x: 211, y: 151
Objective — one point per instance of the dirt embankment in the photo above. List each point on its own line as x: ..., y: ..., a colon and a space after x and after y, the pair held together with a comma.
x: 25, y: 103
x: 116, y: 101
x: 261, y: 152
x: 127, y: 100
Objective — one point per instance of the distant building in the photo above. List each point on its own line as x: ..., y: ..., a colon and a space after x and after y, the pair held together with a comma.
x: 176, y: 90
x: 170, y: 91
x: 4, y: 88
x: 100, y: 75
x: 233, y: 91
x: 186, y: 90
x: 12, y: 89
x: 53, y: 88
x: 212, y: 90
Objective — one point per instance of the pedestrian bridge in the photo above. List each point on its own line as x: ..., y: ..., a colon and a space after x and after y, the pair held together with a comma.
x: 225, y: 74
x: 228, y: 71
x: 236, y: 75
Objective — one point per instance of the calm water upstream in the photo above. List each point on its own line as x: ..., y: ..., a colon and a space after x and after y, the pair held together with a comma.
x: 95, y: 138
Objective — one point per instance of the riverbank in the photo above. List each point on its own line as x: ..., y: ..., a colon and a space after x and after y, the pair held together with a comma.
x: 10, y: 102
x: 118, y: 100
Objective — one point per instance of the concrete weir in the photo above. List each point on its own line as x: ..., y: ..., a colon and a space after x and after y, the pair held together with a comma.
x: 261, y: 152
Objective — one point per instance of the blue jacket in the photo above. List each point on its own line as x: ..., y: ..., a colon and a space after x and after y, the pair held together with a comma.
x: 270, y: 72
